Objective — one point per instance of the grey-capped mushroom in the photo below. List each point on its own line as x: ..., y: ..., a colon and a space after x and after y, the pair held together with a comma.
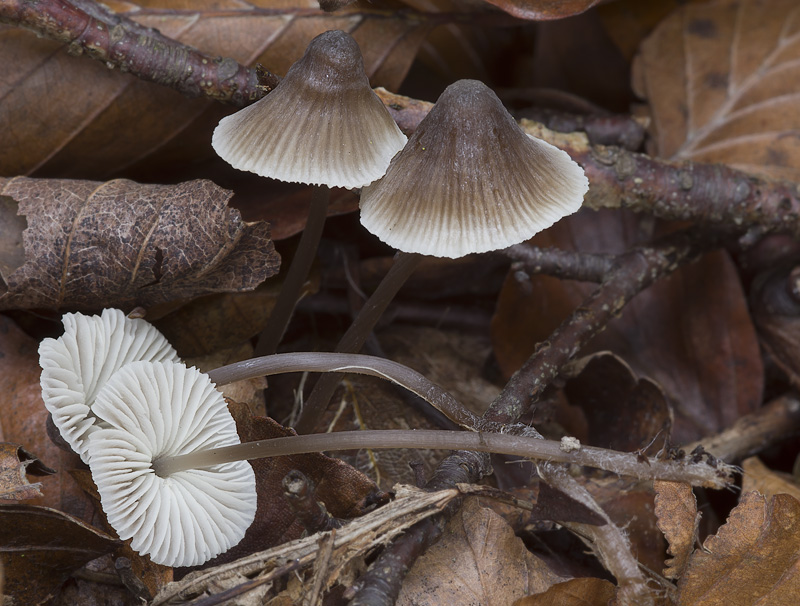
x: 471, y: 180
x: 151, y: 410
x: 322, y: 125
x: 76, y: 365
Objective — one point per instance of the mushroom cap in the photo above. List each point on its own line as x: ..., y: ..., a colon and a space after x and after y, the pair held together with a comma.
x: 77, y: 365
x: 160, y: 409
x: 322, y: 125
x: 471, y: 180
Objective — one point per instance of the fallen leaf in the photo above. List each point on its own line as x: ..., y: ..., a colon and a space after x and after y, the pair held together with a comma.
x: 759, y: 478
x: 678, y: 519
x: 478, y: 560
x: 753, y: 559
x: 15, y: 464
x: 23, y: 420
x: 543, y: 10
x: 624, y: 412
x: 587, y: 591
x: 775, y: 299
x: 94, y: 122
x: 345, y: 492
x: 722, y: 81
x: 691, y: 333
x: 124, y: 244
x: 41, y: 547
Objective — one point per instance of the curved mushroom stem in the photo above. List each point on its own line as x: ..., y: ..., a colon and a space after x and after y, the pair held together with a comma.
x: 298, y: 272
x: 397, y: 373
x: 357, y: 334
x: 630, y: 464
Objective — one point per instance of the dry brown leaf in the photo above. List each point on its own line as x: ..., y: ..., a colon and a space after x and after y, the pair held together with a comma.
x: 15, y: 464
x: 758, y: 477
x: 624, y: 412
x: 124, y: 244
x: 586, y: 591
x: 40, y: 547
x: 346, y: 492
x: 678, y: 519
x: 691, y: 333
x: 722, y: 80
x: 23, y: 420
x: 478, y: 560
x: 543, y: 10
x: 753, y: 559
x: 63, y: 116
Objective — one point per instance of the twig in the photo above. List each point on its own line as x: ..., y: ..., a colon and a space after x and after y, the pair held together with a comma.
x: 608, y: 541
x: 752, y: 433
x: 121, y: 43
x: 634, y: 271
x: 566, y: 264
x: 299, y: 493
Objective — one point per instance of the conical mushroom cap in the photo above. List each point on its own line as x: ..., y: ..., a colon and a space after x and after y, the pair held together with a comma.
x: 151, y: 410
x: 470, y: 180
x: 322, y: 125
x: 77, y: 365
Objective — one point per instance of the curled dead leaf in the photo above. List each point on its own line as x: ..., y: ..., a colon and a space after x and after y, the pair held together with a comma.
x: 678, y: 519
x: 124, y: 244
x: 15, y: 464
x: 753, y: 559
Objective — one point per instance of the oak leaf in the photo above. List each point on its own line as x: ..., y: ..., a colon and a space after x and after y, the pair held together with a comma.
x: 758, y: 477
x: 753, y: 559
x: 124, y: 244
x: 723, y: 81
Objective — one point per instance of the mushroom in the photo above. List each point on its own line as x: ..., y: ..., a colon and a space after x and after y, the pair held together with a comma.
x: 153, y: 410
x: 76, y: 365
x: 322, y: 125
x: 469, y: 180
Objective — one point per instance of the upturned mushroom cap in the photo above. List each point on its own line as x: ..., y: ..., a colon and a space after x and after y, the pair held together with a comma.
x: 160, y: 409
x: 322, y: 125
x: 77, y: 365
x: 470, y: 180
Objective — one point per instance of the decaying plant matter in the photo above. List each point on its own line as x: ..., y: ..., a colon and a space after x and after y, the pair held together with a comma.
x: 684, y: 216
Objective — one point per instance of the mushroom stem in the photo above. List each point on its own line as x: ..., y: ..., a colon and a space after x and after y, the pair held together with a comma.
x: 298, y: 272
x: 357, y: 334
x: 359, y: 364
x: 629, y: 464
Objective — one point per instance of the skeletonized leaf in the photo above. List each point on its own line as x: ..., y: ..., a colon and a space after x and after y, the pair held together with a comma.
x: 723, y: 82
x: 123, y: 244
x: 676, y: 510
x: 753, y: 559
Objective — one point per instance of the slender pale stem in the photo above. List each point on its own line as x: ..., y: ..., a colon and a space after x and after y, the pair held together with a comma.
x: 357, y: 334
x: 355, y: 363
x: 629, y: 464
x: 298, y: 272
